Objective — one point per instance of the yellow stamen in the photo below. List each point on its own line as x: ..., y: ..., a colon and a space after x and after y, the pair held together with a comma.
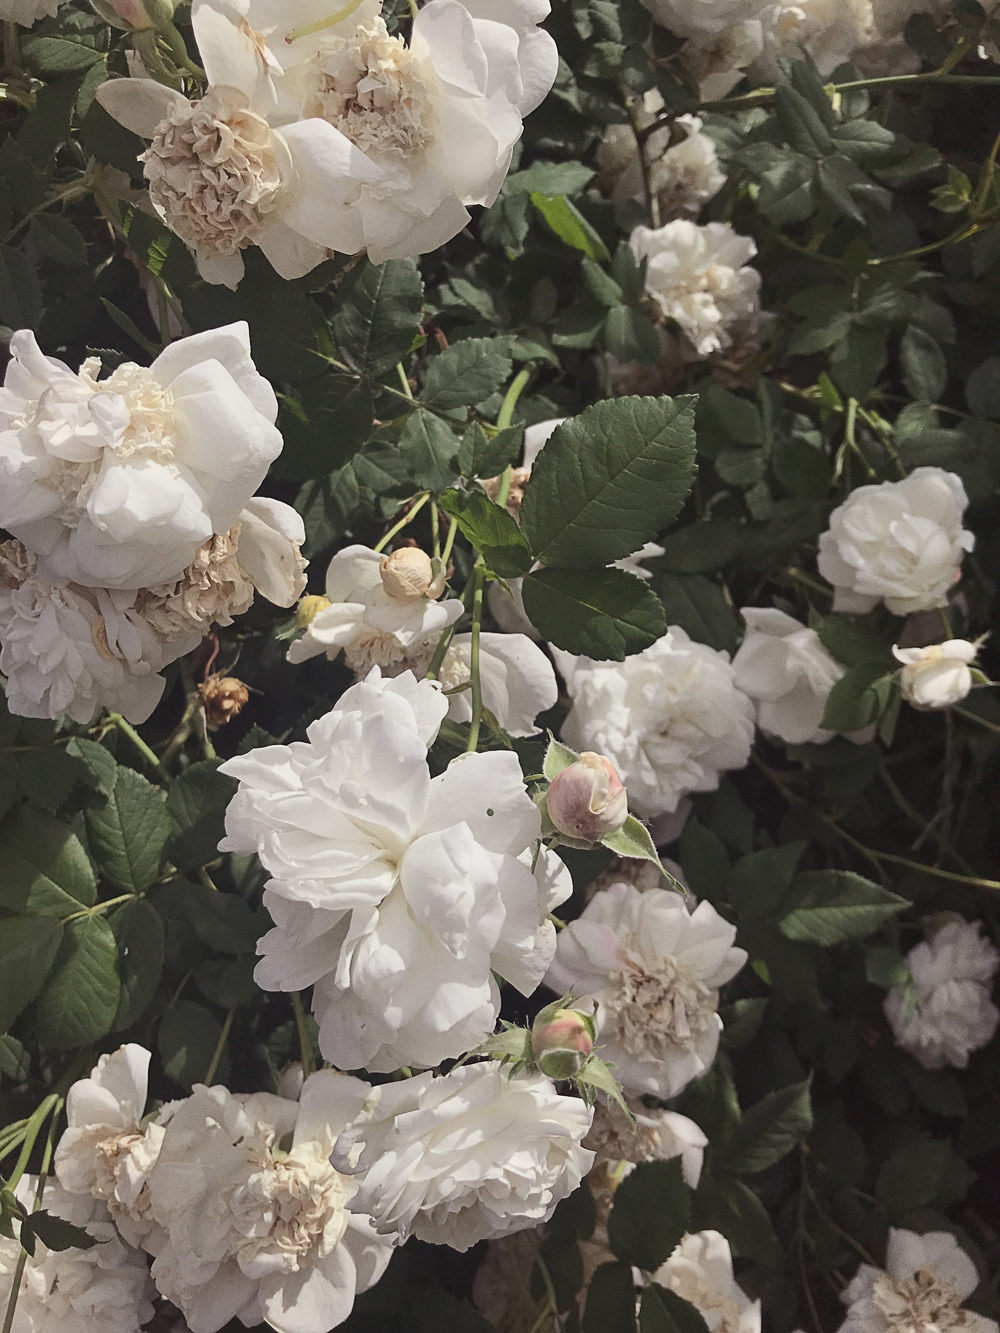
x: 318, y: 26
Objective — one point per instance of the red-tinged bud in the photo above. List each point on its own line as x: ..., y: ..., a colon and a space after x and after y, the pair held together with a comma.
x: 137, y: 15
x: 562, y: 1042
x: 587, y: 799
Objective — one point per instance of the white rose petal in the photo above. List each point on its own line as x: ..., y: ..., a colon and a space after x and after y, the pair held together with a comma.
x: 517, y: 679
x: 938, y: 676
x: 700, y: 1271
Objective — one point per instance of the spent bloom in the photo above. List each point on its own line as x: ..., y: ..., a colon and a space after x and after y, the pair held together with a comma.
x: 944, y: 1012
x: 652, y: 969
x: 472, y: 1156
x: 586, y: 800
x: 658, y: 1136
x: 671, y: 719
x: 922, y: 1287
x: 517, y: 679
x: 900, y: 542
x: 254, y: 1218
x: 937, y: 676
x: 396, y: 894
x: 383, y: 611
x: 105, y: 1289
x: 700, y: 1271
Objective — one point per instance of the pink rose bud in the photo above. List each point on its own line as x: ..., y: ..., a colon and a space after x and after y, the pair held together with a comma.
x: 137, y: 15
x: 562, y: 1043
x: 587, y: 800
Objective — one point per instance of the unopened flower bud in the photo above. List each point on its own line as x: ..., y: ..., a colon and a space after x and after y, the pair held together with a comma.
x: 137, y: 15
x: 308, y: 609
x: 409, y: 574
x: 223, y: 698
x: 587, y: 799
x: 562, y: 1042
x: 937, y: 676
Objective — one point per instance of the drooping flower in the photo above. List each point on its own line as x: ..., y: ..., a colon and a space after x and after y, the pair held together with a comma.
x: 254, y: 1217
x: 105, y: 1289
x: 700, y: 1271
x: 900, y: 542
x: 671, y: 719
x: 517, y: 678
x: 652, y: 969
x: 658, y: 1136
x: 944, y: 1012
x: 472, y: 1156
x: 396, y: 894
x: 938, y: 676
x: 116, y: 483
x: 925, y: 1280
x: 701, y: 278
x: 376, y: 616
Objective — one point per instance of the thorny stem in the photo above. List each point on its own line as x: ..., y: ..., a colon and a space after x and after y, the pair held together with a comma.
x: 220, y: 1046
x: 408, y: 517
x: 477, y: 684
x: 305, y: 1044
x: 128, y: 730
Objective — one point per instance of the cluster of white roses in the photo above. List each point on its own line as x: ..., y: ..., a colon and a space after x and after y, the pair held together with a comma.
x: 135, y: 527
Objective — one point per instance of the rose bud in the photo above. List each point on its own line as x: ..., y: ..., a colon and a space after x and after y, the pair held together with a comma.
x: 587, y: 799
x: 562, y: 1042
x: 223, y: 698
x: 137, y: 15
x: 938, y: 676
x: 409, y: 574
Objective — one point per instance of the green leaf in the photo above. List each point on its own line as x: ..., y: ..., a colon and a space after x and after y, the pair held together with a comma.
x: 731, y: 1206
x: 569, y: 224
x: 57, y: 55
x: 430, y: 449
x: 44, y: 869
x: 858, y: 698
x: 742, y: 1021
x: 491, y: 530
x: 602, y: 614
x: 55, y: 1233
x: 831, y: 906
x: 324, y: 424
x: 699, y: 606
x: 557, y: 757
x: 786, y: 190
x: 465, y: 374
x: 663, y: 1311
x: 651, y: 1214
x: 28, y: 947
x: 482, y: 455
x: 197, y: 802
x: 609, y: 480
x: 866, y: 141
x: 79, y: 1003
x: 925, y: 370
x: 915, y: 1176
x: 223, y: 921
x: 704, y: 859
x: 770, y: 1130
x: 701, y: 547
x: 379, y: 316
x: 15, y: 1062
x: 630, y: 336
x: 855, y: 641
x: 634, y: 841
x: 100, y: 762
x: 610, y: 1301
x: 596, y: 1075
x: 20, y: 290
x: 801, y: 124
x: 138, y: 931
x: 186, y: 1042
x: 550, y: 178
x: 57, y: 238
x: 790, y: 968
x: 759, y: 882
x: 128, y: 834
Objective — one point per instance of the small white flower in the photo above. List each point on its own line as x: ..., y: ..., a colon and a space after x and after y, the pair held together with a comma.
x: 671, y: 719
x: 658, y: 1136
x: 830, y: 32
x: 472, y: 1156
x: 395, y: 893
x: 901, y: 543
x: 105, y: 1289
x: 937, y: 676
x: 373, y: 619
x: 517, y: 678
x: 116, y: 483
x: 684, y: 175
x: 945, y: 1012
x: 925, y: 1281
x: 271, y: 537
x: 254, y: 1217
x: 27, y: 12
x: 653, y: 970
x: 700, y: 1271
x: 700, y: 278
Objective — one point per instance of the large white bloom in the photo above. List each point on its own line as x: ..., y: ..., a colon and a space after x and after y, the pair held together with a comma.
x: 116, y: 483
x: 517, y: 678
x: 945, y: 1012
x: 700, y: 1271
x: 395, y: 893
x: 828, y: 31
x: 900, y: 543
x: 254, y: 1217
x: 376, y: 618
x: 938, y: 676
x: 925, y: 1281
x: 700, y: 278
x: 653, y: 970
x: 671, y: 719
x: 472, y: 1156
x: 105, y: 1289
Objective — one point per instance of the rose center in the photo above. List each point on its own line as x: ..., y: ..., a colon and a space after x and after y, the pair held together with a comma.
x: 291, y: 1209
x: 658, y: 1008
x: 920, y: 1303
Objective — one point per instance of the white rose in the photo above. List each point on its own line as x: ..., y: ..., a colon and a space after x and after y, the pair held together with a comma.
x: 944, y: 1013
x: 700, y: 18
x: 472, y: 1156
x: 671, y: 719
x: 372, y: 620
x: 395, y: 893
x: 700, y: 1271
x: 105, y: 1289
x: 700, y: 278
x: 116, y: 483
x: 684, y: 177
x: 517, y: 679
x: 653, y: 970
x: 254, y: 1217
x: 830, y: 32
x: 925, y: 1281
x: 900, y: 543
x: 27, y: 12
x: 937, y: 676
x: 658, y: 1136
x: 269, y: 550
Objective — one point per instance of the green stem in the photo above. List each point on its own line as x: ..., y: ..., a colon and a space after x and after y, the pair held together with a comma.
x: 449, y: 542
x: 22, y: 1258
x: 408, y: 517
x: 128, y: 730
x: 305, y: 1044
x: 435, y: 532
x: 100, y: 907
x: 76, y: 189
x: 413, y: 8
x: 404, y: 380
x: 517, y: 387
x: 220, y: 1046
x: 974, y: 717
x: 477, y: 683
x: 440, y: 652
x: 35, y: 1122
x: 946, y: 621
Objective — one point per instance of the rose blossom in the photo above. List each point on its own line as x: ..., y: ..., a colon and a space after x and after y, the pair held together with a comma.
x: 653, y: 970
x: 396, y: 894
x: 829, y: 32
x: 925, y: 1281
x: 517, y: 679
x: 684, y: 175
x: 27, y: 12
x: 937, y: 676
x: 700, y: 1271
x: 900, y: 543
x: 472, y: 1156
x: 658, y: 1136
x: 944, y: 1012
